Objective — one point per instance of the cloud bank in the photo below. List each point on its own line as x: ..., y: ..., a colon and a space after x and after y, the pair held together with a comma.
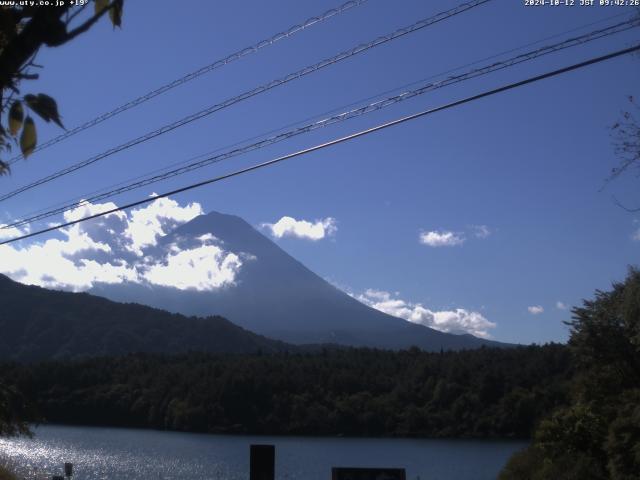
x: 123, y: 247
x: 458, y: 320
x: 536, y: 309
x: 290, y: 227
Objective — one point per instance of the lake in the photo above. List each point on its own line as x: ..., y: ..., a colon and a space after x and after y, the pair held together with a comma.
x: 128, y: 454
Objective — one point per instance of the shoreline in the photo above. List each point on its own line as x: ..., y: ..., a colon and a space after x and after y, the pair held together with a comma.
x: 285, y: 435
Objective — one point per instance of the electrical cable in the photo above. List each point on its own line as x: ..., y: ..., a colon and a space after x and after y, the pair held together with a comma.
x: 321, y: 146
x: 258, y: 90
x: 362, y: 110
x: 195, y: 74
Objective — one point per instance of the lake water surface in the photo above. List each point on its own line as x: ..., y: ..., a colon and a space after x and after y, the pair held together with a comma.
x: 108, y: 453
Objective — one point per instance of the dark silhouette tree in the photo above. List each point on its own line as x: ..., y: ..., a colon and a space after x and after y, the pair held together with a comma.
x: 598, y: 434
x: 24, y: 30
x: 14, y: 412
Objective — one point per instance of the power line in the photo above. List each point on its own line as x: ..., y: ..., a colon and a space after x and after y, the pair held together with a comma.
x: 78, y: 200
x: 256, y: 91
x: 198, y: 73
x: 326, y: 113
x: 333, y: 111
x: 346, y: 115
x: 322, y: 146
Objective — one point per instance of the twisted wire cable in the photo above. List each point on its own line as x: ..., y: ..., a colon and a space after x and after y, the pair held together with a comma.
x: 197, y: 73
x: 346, y: 115
x: 330, y: 143
x: 401, y: 32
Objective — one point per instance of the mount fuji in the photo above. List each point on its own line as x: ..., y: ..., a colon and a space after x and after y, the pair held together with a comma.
x: 275, y: 295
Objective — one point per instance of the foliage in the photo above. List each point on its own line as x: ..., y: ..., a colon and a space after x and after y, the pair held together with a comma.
x: 14, y: 411
x: 532, y: 464
x: 476, y: 393
x: 622, y: 446
x: 6, y: 474
x: 24, y: 29
x: 598, y: 434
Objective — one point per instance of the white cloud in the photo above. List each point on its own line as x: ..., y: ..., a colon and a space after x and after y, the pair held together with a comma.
x: 89, y: 209
x: 447, y: 238
x: 161, y: 216
x: 481, y: 231
x: 49, y: 265
x: 636, y: 235
x: 561, y: 305
x: 290, y: 227
x: 535, y: 309
x: 123, y: 247
x: 458, y: 320
x: 7, y: 233
x: 202, y: 268
x: 438, y: 238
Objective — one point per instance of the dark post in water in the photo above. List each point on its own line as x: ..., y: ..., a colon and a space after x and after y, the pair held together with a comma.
x: 262, y: 462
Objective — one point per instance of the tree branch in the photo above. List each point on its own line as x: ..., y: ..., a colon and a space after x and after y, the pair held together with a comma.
x: 45, y: 27
x: 89, y: 23
x: 619, y: 204
x: 26, y: 43
x: 76, y: 13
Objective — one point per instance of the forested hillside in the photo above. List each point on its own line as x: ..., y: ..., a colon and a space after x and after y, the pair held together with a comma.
x: 40, y: 324
x: 477, y: 393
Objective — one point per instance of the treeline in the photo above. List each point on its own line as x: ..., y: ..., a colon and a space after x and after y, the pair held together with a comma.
x: 478, y: 393
x: 597, y: 435
x: 38, y: 324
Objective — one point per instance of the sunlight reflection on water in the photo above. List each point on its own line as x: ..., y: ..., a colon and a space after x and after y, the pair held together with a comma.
x: 106, y: 453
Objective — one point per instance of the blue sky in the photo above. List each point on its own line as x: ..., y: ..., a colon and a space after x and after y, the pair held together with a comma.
x: 528, y: 165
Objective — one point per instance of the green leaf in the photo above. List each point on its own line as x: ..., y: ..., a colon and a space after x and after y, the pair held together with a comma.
x: 100, y: 5
x: 115, y: 13
x: 16, y: 115
x: 45, y: 106
x: 28, y: 139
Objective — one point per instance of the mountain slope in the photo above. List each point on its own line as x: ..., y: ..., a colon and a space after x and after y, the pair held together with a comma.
x: 38, y: 324
x: 277, y: 296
